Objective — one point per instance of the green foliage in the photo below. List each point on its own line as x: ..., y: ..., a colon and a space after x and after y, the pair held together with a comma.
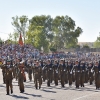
x: 53, y: 49
x: 86, y: 46
x: 78, y: 46
x: 20, y: 24
x: 97, y: 43
x: 45, y: 22
x: 1, y: 42
x: 49, y: 33
x: 8, y: 41
x: 15, y: 37
x: 65, y: 31
x: 38, y: 38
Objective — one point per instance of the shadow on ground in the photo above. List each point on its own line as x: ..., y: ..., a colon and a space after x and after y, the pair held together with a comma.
x: 19, y: 97
x: 33, y: 95
x: 49, y: 91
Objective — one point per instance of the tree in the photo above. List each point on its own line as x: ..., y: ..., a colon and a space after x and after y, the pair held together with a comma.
x: 53, y: 49
x: 58, y: 33
x: 1, y: 42
x: 10, y: 38
x: 15, y: 37
x: 20, y: 24
x: 86, y: 46
x: 78, y: 46
x: 64, y: 29
x: 97, y: 43
x: 38, y: 38
x: 45, y: 22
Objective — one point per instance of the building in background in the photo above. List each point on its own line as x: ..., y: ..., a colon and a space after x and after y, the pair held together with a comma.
x: 90, y: 44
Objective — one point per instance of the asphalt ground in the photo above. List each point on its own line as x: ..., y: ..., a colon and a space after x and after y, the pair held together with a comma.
x: 49, y: 93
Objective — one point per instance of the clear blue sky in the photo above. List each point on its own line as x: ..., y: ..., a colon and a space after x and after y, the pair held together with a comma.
x: 86, y: 14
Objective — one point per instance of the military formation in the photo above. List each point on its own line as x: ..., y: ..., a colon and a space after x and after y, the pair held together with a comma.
x: 73, y: 70
x: 51, y: 71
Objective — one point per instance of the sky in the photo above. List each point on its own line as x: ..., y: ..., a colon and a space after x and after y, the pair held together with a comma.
x: 85, y: 13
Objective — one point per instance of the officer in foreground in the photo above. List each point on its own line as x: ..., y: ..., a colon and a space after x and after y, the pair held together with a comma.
x: 8, y: 76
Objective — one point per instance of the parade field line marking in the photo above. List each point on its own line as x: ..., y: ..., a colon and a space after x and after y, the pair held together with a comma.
x: 84, y: 96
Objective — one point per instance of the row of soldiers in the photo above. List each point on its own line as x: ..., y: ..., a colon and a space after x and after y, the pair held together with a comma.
x: 78, y: 72
x: 65, y: 72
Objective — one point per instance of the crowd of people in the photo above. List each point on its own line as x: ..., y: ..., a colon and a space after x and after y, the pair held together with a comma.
x: 67, y: 68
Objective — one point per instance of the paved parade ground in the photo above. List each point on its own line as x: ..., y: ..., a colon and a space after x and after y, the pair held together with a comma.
x: 49, y: 93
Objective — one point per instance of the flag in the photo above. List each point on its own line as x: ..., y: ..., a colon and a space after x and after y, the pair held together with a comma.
x: 20, y: 40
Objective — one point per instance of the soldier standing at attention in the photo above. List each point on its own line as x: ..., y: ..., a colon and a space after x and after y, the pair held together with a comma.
x: 69, y: 69
x: 29, y: 68
x: 8, y: 77
x: 33, y: 68
x: 77, y: 74
x: 82, y: 73
x: 97, y: 74
x: 49, y: 72
x: 62, y: 71
x: 3, y: 70
x: 21, y: 76
x: 90, y: 70
x: 44, y: 72
x: 37, y: 75
x: 55, y: 68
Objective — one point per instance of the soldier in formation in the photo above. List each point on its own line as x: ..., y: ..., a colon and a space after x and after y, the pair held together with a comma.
x: 38, y: 75
x: 21, y: 76
x: 8, y: 76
